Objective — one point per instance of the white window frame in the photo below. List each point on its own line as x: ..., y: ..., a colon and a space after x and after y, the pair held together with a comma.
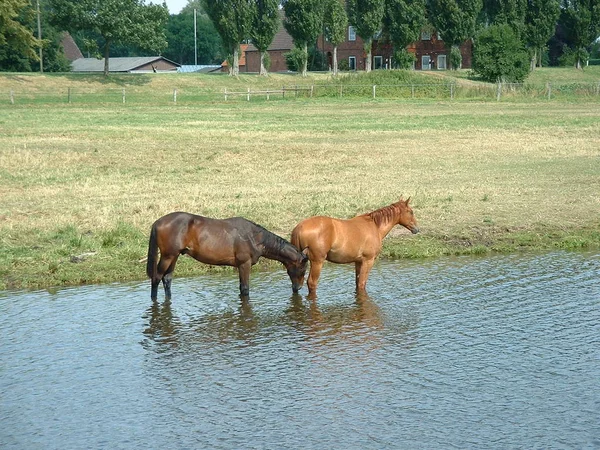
x: 351, y: 33
x: 440, y: 65
x: 351, y: 62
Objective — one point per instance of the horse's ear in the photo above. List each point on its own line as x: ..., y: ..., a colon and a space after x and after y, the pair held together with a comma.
x: 305, y: 254
x: 407, y: 200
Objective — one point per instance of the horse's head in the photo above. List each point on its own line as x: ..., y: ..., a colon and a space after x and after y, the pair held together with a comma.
x: 296, y: 271
x: 406, y: 218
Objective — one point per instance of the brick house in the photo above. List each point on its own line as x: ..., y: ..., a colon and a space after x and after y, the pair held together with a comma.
x: 430, y: 52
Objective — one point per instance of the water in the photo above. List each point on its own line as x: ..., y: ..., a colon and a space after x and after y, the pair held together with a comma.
x: 495, y: 352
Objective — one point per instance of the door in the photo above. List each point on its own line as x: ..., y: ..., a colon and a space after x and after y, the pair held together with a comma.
x: 425, y: 62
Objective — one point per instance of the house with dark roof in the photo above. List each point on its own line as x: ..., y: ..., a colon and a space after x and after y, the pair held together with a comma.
x: 70, y: 48
x: 430, y: 52
x: 137, y: 64
x: 282, y: 43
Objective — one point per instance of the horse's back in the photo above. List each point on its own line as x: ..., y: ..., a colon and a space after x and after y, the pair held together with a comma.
x: 337, y: 240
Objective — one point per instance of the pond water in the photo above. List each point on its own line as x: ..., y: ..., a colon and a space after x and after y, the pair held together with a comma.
x: 494, y: 352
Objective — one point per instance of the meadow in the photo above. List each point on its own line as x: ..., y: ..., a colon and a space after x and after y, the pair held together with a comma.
x: 82, y: 182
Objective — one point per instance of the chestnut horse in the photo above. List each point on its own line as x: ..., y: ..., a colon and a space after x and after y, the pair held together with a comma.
x: 356, y: 240
x: 233, y: 242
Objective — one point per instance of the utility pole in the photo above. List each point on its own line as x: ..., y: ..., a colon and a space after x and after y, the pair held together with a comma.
x: 195, y: 41
x: 39, y: 24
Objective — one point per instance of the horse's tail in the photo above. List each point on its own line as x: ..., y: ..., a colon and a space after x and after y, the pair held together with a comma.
x: 152, y: 254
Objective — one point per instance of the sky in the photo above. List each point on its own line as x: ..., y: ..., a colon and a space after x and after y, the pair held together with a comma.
x: 174, y: 6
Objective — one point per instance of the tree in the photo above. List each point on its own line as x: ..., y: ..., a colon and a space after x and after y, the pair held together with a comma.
x: 180, y: 37
x: 232, y: 19
x: 511, y: 12
x: 499, y: 55
x: 540, y: 23
x: 17, y: 42
x: 303, y: 21
x: 581, y: 19
x: 402, y: 24
x: 265, y: 24
x: 366, y: 17
x: 117, y: 21
x: 335, y: 24
x: 455, y: 20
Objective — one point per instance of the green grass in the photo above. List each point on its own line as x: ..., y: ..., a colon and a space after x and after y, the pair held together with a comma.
x: 82, y: 183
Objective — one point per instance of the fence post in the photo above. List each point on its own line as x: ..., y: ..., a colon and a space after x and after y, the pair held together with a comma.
x: 123, y: 95
x: 174, y: 95
x: 374, y: 87
x: 498, y: 91
x: 451, y: 91
x: 282, y: 91
x: 267, y: 93
x: 248, y: 95
x: 412, y: 90
x: 225, y: 94
x: 549, y: 90
x: 296, y: 91
x: 341, y: 90
x: 12, y: 97
x: 69, y: 94
x: 312, y: 87
x: 598, y: 88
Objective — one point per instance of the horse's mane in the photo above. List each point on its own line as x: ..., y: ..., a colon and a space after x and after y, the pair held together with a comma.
x: 385, y: 214
x: 273, y: 244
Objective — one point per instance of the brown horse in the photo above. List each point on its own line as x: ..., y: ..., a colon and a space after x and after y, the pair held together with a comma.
x: 233, y: 242
x: 356, y: 240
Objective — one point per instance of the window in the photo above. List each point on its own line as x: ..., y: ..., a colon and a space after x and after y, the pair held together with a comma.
x: 377, y: 62
x: 352, y: 62
x: 425, y: 36
x: 441, y: 62
x: 351, y: 34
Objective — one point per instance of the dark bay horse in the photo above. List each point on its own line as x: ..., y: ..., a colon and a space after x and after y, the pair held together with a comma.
x: 235, y: 242
x: 356, y: 240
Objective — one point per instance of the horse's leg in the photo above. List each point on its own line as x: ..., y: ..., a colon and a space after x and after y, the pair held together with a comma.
x: 154, y: 291
x: 164, y: 272
x: 363, y: 268
x: 313, y: 277
x: 244, y: 271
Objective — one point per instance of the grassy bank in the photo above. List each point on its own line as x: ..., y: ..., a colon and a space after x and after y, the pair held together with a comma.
x: 81, y: 184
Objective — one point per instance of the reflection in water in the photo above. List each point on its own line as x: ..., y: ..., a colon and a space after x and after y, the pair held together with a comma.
x: 361, y: 318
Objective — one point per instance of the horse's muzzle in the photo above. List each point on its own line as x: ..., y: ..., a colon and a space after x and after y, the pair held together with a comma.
x: 414, y: 230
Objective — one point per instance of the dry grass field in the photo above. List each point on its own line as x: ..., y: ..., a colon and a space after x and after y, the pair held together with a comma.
x: 80, y: 185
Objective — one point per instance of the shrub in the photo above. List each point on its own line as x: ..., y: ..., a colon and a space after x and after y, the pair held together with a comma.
x: 499, y: 54
x: 403, y: 59
x: 295, y: 59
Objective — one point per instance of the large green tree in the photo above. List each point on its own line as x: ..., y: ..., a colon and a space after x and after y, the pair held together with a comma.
x: 265, y: 24
x: 402, y: 24
x: 455, y: 20
x: 499, y: 55
x: 366, y: 17
x: 180, y: 37
x: 581, y: 19
x: 117, y: 21
x: 303, y: 21
x: 335, y: 24
x: 540, y: 22
x: 17, y: 42
x: 232, y: 19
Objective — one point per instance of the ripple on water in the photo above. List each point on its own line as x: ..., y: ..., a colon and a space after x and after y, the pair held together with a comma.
x: 466, y: 352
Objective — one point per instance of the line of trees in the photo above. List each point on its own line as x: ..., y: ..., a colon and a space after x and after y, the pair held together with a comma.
x: 505, y: 32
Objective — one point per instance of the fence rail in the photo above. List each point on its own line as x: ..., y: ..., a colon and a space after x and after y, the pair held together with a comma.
x: 450, y: 91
